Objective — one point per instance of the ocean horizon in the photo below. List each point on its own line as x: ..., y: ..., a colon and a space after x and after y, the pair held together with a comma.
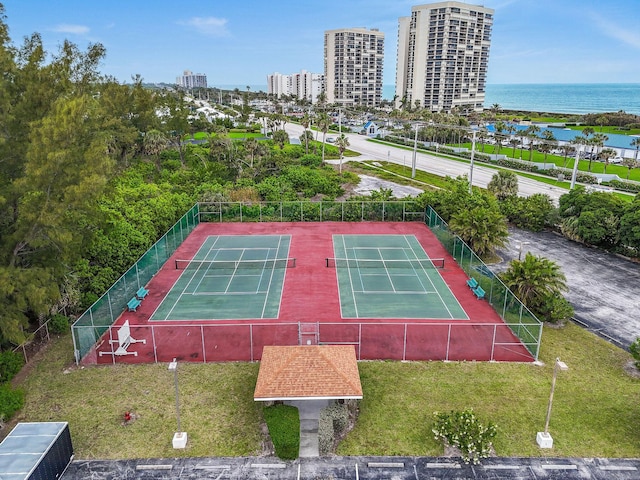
x: 568, y: 98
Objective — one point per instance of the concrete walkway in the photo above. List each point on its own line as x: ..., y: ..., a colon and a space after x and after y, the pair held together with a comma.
x: 309, y: 411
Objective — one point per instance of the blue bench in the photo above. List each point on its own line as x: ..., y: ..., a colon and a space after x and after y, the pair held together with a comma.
x: 141, y: 293
x: 478, y: 292
x: 472, y: 282
x: 133, y: 304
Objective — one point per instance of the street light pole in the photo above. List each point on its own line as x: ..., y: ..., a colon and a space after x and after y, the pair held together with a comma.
x: 180, y: 437
x: 544, y: 439
x: 473, y: 151
x: 520, y: 245
x: 415, y: 150
x: 574, y: 174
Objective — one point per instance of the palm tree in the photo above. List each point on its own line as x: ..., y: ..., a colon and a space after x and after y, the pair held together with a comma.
x: 549, y: 140
x: 500, y: 127
x: 598, y: 142
x: 251, y: 145
x: 323, y: 122
x: 534, y: 279
x: 154, y: 144
x: 482, y: 228
x: 503, y: 184
x: 567, y: 148
x: 531, y: 132
x: 630, y: 163
x: 305, y: 121
x: 636, y: 143
x: 606, y: 154
x: 342, y: 142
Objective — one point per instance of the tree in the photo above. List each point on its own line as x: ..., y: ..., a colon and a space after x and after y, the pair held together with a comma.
x: 154, y: 144
x: 597, y: 142
x: 342, y: 142
x: 503, y: 184
x: 483, y: 228
x: 531, y: 133
x: 548, y: 143
x: 535, y: 280
x: 323, y: 122
x: 305, y: 121
x: 280, y: 137
x: 607, y: 154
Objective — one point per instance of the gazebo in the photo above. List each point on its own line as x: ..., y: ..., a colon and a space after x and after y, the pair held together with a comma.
x: 308, y: 377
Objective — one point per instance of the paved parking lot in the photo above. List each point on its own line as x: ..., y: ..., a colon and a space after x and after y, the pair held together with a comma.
x: 604, y: 288
x: 357, y: 468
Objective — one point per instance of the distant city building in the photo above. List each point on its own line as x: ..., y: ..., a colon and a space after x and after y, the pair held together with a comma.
x: 443, y: 53
x: 192, y: 80
x: 353, y: 61
x: 303, y: 85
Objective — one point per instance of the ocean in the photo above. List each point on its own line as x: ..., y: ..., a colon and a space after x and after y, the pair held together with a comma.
x: 577, y: 98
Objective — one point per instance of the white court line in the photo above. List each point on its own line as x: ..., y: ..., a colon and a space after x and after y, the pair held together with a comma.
x: 175, y: 303
x: 430, y: 281
x: 353, y: 295
x: 273, y: 269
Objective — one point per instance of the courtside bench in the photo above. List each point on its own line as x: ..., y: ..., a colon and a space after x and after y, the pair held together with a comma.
x: 141, y: 293
x: 473, y: 283
x: 479, y: 292
x: 133, y: 304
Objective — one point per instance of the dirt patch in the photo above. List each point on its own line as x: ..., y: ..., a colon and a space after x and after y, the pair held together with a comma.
x: 631, y: 369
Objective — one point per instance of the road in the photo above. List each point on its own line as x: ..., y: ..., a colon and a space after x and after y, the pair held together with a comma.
x: 433, y: 164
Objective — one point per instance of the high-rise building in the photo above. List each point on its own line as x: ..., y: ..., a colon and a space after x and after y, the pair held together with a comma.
x: 353, y: 61
x: 192, y: 80
x: 303, y: 85
x: 443, y: 53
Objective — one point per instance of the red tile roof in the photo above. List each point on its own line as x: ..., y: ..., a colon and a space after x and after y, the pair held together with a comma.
x: 308, y: 371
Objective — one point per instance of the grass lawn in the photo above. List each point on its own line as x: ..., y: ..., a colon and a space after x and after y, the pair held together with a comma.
x: 595, y: 407
x: 607, y: 129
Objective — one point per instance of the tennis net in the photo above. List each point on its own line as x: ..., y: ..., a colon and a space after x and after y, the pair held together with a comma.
x: 408, y: 264
x: 235, y: 264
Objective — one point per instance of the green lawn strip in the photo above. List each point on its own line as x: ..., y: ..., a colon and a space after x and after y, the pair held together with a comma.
x: 242, y: 135
x: 593, y: 415
x: 284, y: 429
x: 216, y: 406
x: 606, y: 129
x: 594, y: 411
x: 398, y: 174
x: 583, y: 165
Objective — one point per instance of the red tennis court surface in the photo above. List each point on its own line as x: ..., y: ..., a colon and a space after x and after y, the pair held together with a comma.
x: 310, y: 310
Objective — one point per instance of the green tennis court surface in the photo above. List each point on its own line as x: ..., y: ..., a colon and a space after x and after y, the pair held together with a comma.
x: 391, y: 276
x: 230, y: 277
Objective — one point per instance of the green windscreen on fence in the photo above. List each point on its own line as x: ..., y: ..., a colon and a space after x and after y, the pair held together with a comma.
x: 515, y: 314
x: 93, y: 323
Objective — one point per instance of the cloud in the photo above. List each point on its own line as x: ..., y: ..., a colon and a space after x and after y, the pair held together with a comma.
x: 615, y: 30
x: 74, y: 29
x: 211, y: 26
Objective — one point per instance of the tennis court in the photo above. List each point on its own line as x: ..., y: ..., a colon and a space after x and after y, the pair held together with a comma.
x: 230, y: 277
x: 391, y: 276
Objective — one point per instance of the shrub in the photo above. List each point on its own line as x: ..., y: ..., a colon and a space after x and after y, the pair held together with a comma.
x: 284, y: 428
x: 464, y: 431
x: 10, y: 365
x: 59, y: 324
x: 634, y: 348
x: 10, y: 401
x: 334, y: 420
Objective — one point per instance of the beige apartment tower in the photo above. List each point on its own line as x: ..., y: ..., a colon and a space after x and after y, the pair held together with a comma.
x: 353, y: 60
x: 443, y: 53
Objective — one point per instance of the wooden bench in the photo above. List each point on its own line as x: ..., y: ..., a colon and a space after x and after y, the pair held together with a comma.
x: 479, y: 292
x: 133, y: 304
x: 473, y: 283
x: 141, y: 293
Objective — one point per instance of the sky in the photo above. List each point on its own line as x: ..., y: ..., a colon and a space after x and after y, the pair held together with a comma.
x: 237, y: 42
